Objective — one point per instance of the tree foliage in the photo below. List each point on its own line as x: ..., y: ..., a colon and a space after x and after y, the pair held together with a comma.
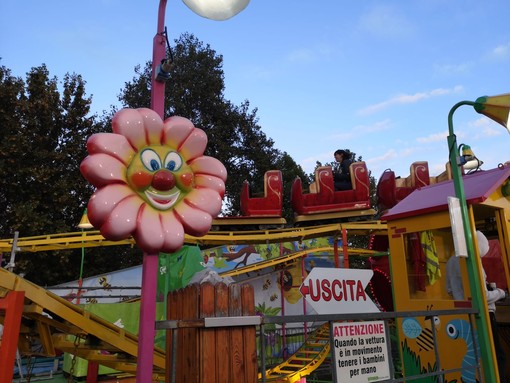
x: 42, y: 142
x: 44, y: 125
x: 195, y: 91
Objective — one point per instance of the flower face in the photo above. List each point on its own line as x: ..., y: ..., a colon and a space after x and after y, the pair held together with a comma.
x: 153, y: 181
x: 160, y: 177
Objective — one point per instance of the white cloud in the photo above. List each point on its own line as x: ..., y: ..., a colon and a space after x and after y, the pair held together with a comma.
x: 435, y: 137
x: 454, y: 69
x: 501, y: 51
x: 408, y: 99
x: 359, y: 130
x: 377, y: 126
x: 386, y: 21
x: 308, y: 55
x: 486, y: 127
x: 344, y: 136
x: 385, y: 157
x: 301, y: 55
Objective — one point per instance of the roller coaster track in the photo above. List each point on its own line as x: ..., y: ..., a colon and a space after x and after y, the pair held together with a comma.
x: 304, y: 361
x: 93, y: 238
x: 284, y: 260
x: 60, y: 325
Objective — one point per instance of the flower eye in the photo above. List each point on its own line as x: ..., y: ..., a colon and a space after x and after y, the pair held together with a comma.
x: 173, y: 161
x: 150, y: 160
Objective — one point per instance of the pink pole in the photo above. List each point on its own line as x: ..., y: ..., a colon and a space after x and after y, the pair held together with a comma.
x: 345, y: 247
x: 335, y: 252
x: 147, y: 325
x: 158, y: 54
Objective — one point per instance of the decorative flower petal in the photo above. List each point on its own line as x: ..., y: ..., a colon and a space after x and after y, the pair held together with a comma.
x: 115, y: 145
x: 176, y: 130
x: 149, y: 234
x: 209, y: 165
x: 119, y: 209
x: 196, y: 222
x: 195, y: 144
x: 207, y: 200
x: 131, y: 124
x: 104, y: 200
x: 173, y: 233
x: 103, y: 169
x: 210, y: 182
x: 122, y: 222
x: 153, y: 125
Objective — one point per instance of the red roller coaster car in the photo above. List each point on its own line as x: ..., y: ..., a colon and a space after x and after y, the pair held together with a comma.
x: 322, y: 202
x: 264, y: 211
x: 268, y: 205
x: 391, y: 189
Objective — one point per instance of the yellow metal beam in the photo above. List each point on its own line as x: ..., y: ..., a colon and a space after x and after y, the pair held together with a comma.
x: 290, y: 257
x: 63, y: 316
x: 93, y: 238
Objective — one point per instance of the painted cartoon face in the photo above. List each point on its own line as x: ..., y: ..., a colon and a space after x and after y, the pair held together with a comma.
x: 153, y: 181
x: 160, y: 176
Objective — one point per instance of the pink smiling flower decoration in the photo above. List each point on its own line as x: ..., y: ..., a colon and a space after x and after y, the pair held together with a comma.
x: 153, y: 181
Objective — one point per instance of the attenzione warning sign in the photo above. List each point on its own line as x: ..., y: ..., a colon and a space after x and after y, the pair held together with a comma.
x: 361, y: 352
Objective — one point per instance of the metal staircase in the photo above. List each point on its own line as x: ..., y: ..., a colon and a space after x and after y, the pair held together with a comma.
x: 304, y: 361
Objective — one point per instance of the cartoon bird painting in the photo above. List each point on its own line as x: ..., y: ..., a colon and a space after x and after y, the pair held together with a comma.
x: 461, y: 329
x: 242, y: 254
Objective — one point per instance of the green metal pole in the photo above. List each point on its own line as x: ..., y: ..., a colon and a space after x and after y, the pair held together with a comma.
x: 473, y: 264
x: 80, y: 280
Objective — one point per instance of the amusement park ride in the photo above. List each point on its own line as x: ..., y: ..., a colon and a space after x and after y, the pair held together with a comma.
x: 151, y: 175
x: 55, y: 317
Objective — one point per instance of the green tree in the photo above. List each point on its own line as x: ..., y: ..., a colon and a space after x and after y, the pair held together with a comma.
x: 44, y: 126
x: 195, y: 91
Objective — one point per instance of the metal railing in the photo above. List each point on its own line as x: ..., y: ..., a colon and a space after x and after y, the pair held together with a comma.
x: 282, y: 337
x: 396, y: 370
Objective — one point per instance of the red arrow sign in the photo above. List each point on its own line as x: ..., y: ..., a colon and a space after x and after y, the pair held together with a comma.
x: 338, y: 291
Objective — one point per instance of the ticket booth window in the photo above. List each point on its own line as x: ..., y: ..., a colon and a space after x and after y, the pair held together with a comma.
x: 427, y: 253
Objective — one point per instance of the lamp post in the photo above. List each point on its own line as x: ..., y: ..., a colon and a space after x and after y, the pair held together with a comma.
x: 161, y: 65
x: 84, y: 224
x: 497, y: 108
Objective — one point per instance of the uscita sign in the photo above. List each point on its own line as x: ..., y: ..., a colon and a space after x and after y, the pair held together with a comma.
x: 336, y: 291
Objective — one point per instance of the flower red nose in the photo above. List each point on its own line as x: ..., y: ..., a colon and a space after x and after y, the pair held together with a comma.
x: 163, y: 180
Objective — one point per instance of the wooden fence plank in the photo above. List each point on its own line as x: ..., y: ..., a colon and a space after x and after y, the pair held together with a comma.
x: 172, y: 312
x: 218, y: 354
x: 236, y: 335
x: 249, y: 335
x: 189, y: 346
x: 207, y: 335
x: 223, y: 350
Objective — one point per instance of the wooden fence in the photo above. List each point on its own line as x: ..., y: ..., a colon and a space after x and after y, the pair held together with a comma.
x: 220, y: 354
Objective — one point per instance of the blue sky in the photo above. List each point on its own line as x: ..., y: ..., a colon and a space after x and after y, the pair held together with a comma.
x: 377, y: 77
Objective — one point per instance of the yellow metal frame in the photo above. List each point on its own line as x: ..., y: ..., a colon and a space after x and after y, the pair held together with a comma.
x: 93, y: 238
x: 304, y: 361
x: 289, y: 258
x: 56, y: 318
